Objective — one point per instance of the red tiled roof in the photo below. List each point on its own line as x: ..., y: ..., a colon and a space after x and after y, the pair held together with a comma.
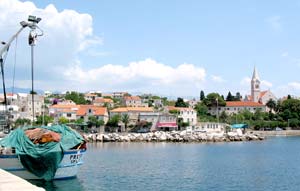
x: 103, y: 100
x: 62, y: 106
x: 90, y: 95
x: 262, y: 94
x: 243, y: 104
x: 97, y: 110
x: 133, y: 98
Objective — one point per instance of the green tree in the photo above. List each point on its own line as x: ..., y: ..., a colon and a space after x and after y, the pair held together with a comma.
x: 229, y: 97
x: 113, y: 122
x: 202, y: 95
x: 237, y: 96
x: 180, y: 103
x: 46, y: 119
x: 63, y: 120
x: 175, y: 112
x: 201, y: 109
x: 125, y: 120
x: 182, y: 124
x: 93, y: 121
x: 271, y: 104
x: 224, y: 117
x: 247, y: 114
x: 21, y: 122
x: 214, y: 99
x: 258, y: 115
x: 78, y: 98
x: 79, y: 121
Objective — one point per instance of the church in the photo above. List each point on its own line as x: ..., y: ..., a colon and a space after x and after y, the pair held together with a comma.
x: 256, y: 95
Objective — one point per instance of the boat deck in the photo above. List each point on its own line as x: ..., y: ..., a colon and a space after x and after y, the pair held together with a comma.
x: 13, y: 183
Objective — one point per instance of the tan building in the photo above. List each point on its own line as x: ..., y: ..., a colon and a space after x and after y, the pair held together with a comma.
x: 90, y: 96
x: 99, y: 101
x: 132, y: 112
x: 74, y: 112
x: 133, y: 101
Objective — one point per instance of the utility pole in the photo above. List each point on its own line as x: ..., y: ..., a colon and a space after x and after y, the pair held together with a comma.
x: 217, y: 100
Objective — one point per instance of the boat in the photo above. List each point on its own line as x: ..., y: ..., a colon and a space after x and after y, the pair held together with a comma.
x: 49, y: 159
x: 43, y: 152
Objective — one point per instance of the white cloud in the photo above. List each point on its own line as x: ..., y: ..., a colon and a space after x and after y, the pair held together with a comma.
x: 217, y: 79
x: 245, y: 81
x: 267, y: 84
x: 292, y: 88
x: 66, y: 33
x: 274, y: 22
x: 147, y: 74
x: 294, y: 85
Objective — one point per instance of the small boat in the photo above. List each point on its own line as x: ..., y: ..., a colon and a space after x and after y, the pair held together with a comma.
x: 54, y: 152
x: 68, y: 167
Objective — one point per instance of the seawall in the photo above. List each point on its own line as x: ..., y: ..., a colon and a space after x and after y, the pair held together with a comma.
x: 277, y: 133
x: 10, y: 182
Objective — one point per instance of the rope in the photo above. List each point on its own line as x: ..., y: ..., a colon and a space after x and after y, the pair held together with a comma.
x: 15, y: 63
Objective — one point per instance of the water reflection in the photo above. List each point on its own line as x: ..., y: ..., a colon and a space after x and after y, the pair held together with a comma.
x: 59, y: 185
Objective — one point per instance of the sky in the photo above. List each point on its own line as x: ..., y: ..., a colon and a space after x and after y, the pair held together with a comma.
x: 168, y: 48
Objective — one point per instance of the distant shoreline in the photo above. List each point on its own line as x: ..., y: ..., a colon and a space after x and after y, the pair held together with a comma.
x: 277, y: 133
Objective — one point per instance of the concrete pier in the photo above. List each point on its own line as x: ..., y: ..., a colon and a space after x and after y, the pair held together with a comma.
x: 10, y: 182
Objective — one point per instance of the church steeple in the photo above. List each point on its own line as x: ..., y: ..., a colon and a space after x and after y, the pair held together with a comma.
x: 255, y: 74
x: 255, y: 86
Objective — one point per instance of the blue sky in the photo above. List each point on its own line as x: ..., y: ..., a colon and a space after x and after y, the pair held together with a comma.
x: 171, y: 48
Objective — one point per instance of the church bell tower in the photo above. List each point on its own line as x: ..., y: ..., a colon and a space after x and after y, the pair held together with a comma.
x: 255, y: 86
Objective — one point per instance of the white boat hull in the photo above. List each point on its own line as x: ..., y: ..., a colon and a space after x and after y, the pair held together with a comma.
x: 68, y: 167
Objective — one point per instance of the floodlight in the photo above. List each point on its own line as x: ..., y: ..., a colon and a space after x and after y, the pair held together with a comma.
x: 34, y: 19
x: 24, y: 24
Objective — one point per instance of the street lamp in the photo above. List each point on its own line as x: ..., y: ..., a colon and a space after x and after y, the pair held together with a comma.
x: 217, y: 111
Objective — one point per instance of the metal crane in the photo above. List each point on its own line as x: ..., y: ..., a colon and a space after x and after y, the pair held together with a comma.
x: 32, y: 24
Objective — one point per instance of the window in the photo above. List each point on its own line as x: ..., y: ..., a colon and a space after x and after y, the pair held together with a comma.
x: 69, y: 114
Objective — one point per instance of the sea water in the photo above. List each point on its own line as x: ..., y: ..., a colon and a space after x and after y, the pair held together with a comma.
x: 272, y: 164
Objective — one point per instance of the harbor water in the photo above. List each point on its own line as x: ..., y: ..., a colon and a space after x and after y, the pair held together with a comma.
x: 272, y: 164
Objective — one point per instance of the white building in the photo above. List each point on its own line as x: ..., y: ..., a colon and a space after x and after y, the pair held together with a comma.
x: 237, y: 106
x: 188, y: 115
x: 210, y: 127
